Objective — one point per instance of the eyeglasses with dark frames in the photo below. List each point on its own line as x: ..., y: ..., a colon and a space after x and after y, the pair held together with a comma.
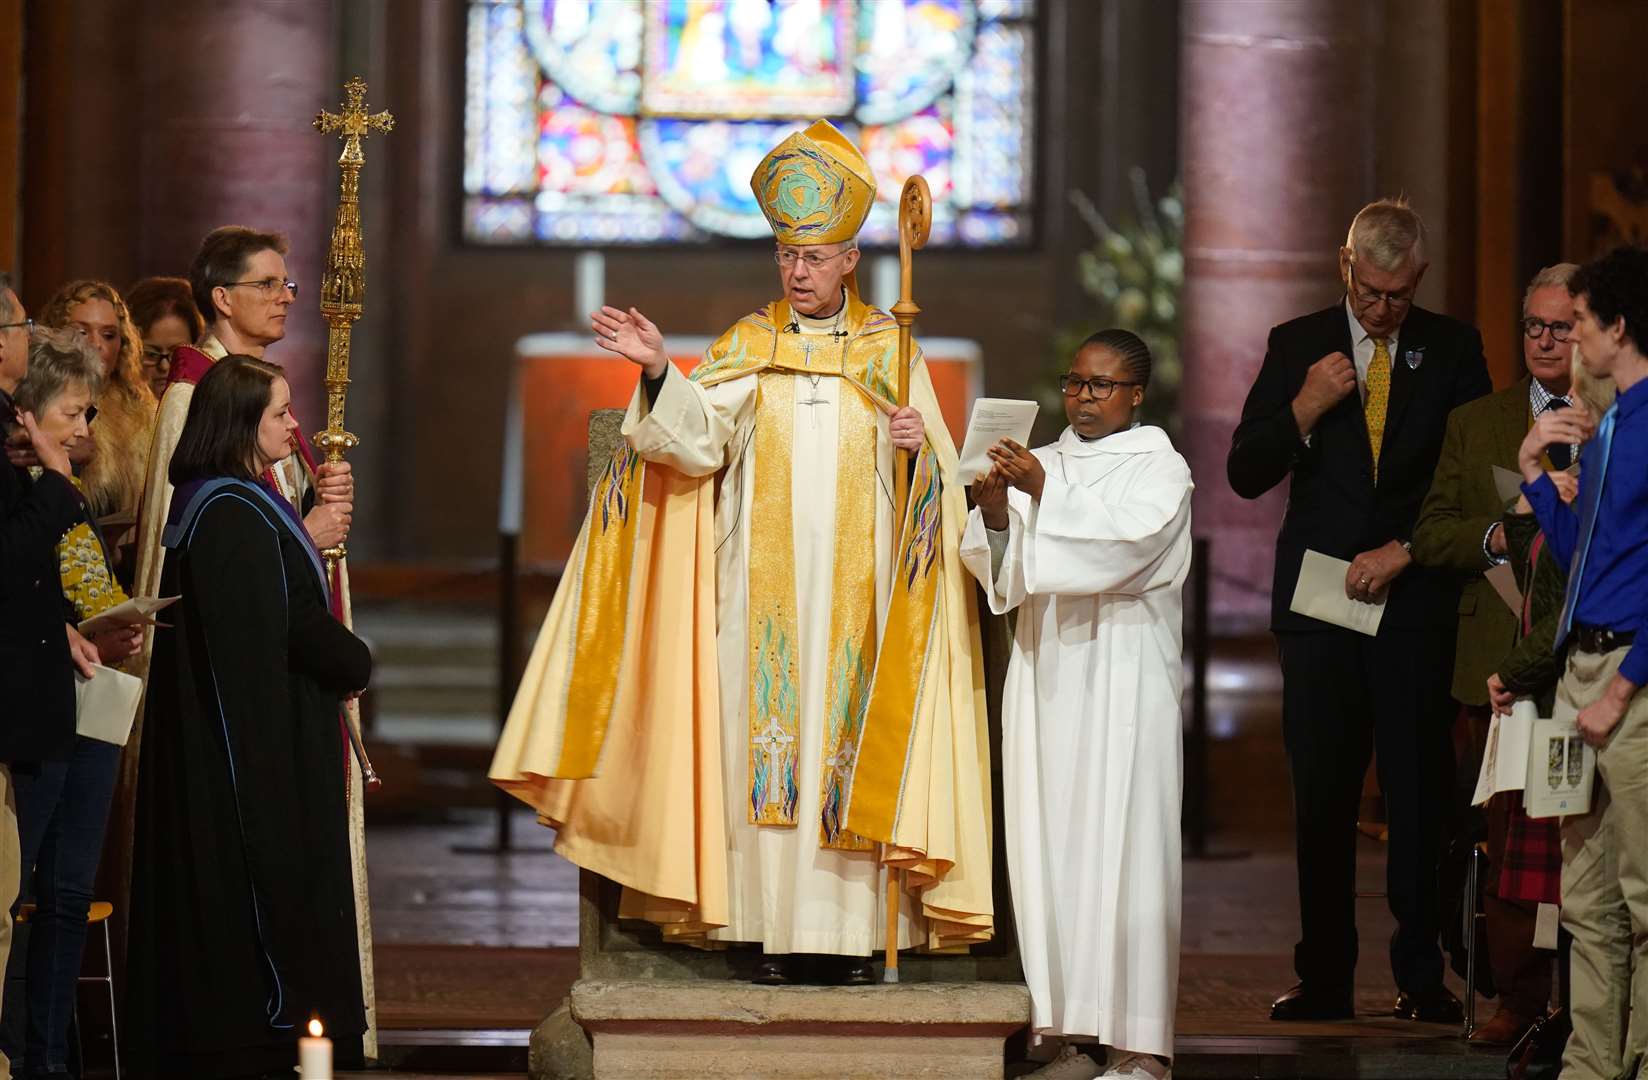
x: 1101, y: 387
x: 26, y: 324
x: 1535, y: 329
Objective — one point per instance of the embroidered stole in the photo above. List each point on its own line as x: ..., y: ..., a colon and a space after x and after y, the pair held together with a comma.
x: 775, y: 692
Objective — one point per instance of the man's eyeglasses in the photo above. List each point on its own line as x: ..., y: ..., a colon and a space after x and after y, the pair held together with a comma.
x: 813, y: 259
x: 1535, y: 329
x: 268, y: 288
x: 1371, y: 297
x: 26, y: 324
x: 1099, y: 386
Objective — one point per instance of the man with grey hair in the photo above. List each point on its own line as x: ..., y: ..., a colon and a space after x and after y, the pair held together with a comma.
x: 38, y: 650
x: 1460, y: 530
x: 1350, y: 405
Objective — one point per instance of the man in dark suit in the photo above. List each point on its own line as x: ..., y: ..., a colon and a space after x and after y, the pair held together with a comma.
x: 1459, y: 530
x: 38, y: 649
x: 1352, y: 402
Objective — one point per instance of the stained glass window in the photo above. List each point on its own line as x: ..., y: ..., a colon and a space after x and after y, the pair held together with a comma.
x: 639, y: 121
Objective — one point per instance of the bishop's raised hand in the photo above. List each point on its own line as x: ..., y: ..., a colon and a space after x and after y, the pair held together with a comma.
x: 633, y: 336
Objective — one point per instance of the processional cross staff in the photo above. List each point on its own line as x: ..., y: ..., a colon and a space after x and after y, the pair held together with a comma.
x: 915, y: 220
x: 342, y: 293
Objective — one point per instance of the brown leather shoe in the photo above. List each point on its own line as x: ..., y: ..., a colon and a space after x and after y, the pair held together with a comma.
x: 1504, y: 1029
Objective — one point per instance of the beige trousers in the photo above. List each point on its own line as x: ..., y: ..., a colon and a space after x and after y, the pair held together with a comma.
x: 11, y: 877
x: 1605, y: 887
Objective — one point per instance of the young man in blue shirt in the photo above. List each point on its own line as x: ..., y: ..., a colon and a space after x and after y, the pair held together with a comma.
x: 1603, y: 538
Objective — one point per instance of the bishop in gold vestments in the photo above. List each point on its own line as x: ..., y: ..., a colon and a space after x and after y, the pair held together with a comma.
x: 755, y: 688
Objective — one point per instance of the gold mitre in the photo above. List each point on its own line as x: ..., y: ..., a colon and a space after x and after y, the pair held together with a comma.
x: 815, y: 187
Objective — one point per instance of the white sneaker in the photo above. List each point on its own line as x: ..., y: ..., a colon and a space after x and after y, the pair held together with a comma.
x: 1124, y: 1065
x: 1071, y: 1064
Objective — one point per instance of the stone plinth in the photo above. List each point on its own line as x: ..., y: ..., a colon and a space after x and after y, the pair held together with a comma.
x: 663, y: 1029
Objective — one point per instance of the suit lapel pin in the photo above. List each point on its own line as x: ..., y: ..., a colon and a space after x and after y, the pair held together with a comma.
x: 1414, y: 357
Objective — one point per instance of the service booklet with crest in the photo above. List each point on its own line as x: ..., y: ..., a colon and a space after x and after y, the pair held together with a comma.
x: 1561, y: 770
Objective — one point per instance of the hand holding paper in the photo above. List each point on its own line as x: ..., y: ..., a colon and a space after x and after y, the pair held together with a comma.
x: 1320, y: 593
x: 994, y: 419
x: 138, y: 611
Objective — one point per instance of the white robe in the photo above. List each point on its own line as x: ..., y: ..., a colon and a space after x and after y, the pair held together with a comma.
x: 784, y: 890
x: 1092, y: 753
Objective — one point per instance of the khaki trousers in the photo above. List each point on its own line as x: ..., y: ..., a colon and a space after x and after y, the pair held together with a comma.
x: 11, y: 877
x: 1605, y: 887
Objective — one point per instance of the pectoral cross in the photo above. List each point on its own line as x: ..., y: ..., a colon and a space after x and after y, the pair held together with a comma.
x: 771, y: 743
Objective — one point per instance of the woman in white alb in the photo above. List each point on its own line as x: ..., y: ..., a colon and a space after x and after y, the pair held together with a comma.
x: 1090, y: 539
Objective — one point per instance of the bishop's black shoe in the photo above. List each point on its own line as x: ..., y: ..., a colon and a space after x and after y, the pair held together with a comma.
x: 1302, y: 1004
x: 773, y: 971
x: 858, y: 973
x: 1434, y: 1006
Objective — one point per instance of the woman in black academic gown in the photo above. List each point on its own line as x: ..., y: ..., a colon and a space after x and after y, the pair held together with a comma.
x: 242, y: 909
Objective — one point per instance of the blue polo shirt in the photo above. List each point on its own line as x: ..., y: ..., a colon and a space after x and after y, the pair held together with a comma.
x: 1613, y: 591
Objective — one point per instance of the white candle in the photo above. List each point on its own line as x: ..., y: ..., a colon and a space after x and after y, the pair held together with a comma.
x: 315, y: 1054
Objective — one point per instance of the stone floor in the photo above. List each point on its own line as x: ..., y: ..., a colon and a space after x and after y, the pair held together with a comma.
x: 473, y: 947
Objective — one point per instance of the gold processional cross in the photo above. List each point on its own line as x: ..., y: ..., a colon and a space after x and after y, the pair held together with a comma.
x: 343, y: 285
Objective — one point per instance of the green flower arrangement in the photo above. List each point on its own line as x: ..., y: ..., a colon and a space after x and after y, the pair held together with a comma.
x: 1133, y: 273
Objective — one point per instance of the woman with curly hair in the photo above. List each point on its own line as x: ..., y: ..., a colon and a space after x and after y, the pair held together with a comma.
x: 113, y: 462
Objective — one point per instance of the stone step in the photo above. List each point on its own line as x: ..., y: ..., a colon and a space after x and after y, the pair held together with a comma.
x: 707, y: 1030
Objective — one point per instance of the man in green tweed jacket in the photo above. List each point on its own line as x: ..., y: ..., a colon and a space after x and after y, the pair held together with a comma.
x: 1459, y: 529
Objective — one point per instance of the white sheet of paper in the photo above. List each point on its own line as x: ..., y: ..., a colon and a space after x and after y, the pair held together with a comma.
x: 1546, y: 922
x: 1503, y: 580
x: 1505, y: 758
x: 106, y: 704
x: 1561, y: 769
x: 1320, y: 594
x: 994, y: 419
x: 139, y: 610
x: 1507, y: 484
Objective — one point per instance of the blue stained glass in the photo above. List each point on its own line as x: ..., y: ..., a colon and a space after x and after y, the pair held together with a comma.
x: 589, y: 48
x: 909, y: 55
x: 640, y: 121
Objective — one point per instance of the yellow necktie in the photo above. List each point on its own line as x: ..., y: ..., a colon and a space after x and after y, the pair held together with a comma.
x: 1378, y: 398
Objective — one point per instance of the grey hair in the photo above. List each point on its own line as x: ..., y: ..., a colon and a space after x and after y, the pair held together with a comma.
x: 8, y: 309
x: 1556, y: 274
x: 58, y: 361
x: 1388, y: 233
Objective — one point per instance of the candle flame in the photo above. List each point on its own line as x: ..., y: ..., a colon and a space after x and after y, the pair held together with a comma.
x: 315, y: 1028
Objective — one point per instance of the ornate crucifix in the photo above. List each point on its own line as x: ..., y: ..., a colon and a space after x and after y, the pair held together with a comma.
x: 343, y: 285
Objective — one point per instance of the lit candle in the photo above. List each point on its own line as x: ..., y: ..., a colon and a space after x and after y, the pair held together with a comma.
x: 315, y: 1054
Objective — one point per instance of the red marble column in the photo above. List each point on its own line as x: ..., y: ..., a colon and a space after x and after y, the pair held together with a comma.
x: 1277, y: 120
x: 229, y: 89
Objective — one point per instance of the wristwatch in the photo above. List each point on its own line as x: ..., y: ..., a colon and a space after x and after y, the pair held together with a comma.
x: 1407, y: 546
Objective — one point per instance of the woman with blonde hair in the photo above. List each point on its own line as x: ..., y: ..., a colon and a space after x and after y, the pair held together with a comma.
x: 113, y: 462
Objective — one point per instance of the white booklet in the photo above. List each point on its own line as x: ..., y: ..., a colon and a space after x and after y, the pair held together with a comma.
x: 106, y: 704
x: 138, y: 611
x: 1320, y: 593
x: 994, y: 419
x: 1561, y: 769
x: 1505, y: 758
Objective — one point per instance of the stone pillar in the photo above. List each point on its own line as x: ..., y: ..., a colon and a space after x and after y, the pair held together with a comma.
x: 228, y: 91
x: 1277, y: 116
